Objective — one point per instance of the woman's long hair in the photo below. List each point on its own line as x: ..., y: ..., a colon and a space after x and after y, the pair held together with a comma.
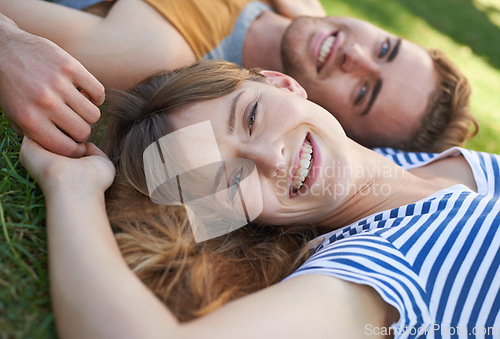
x: 191, y: 278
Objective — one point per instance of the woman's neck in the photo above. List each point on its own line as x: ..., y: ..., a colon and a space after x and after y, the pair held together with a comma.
x: 380, y: 185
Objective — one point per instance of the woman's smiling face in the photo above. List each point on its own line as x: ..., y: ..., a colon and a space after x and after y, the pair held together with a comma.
x: 298, y: 148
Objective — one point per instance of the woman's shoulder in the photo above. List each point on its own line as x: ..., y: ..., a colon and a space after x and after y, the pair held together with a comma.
x: 406, y: 159
x: 485, y: 166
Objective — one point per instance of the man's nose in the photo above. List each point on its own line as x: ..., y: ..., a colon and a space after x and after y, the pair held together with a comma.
x: 269, y: 158
x: 358, y: 62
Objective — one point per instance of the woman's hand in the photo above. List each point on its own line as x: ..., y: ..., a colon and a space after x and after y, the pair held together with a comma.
x: 295, y: 8
x: 92, y: 173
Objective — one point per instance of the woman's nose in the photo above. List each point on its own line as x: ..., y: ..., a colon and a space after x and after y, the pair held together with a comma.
x: 358, y: 62
x: 269, y: 158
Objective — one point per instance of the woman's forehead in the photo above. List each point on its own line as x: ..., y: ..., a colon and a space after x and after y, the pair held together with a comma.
x: 217, y: 110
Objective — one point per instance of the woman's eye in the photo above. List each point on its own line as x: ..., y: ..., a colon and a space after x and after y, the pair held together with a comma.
x: 235, y: 184
x: 361, y: 94
x: 386, y: 46
x: 251, y: 117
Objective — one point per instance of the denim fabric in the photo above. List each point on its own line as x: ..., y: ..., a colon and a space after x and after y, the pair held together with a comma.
x: 77, y: 4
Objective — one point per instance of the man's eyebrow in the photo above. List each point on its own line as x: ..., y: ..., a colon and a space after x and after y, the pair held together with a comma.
x: 232, y: 116
x: 375, y: 92
x: 395, y: 51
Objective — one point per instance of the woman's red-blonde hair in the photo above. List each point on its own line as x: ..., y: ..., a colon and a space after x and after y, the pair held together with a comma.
x: 191, y: 278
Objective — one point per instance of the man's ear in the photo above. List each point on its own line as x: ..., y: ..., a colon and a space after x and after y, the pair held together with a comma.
x: 281, y: 80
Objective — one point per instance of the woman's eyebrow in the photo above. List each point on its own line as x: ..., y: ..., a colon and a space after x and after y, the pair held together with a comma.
x: 232, y: 115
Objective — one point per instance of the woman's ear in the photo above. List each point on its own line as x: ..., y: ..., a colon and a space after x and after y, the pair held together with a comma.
x: 281, y: 80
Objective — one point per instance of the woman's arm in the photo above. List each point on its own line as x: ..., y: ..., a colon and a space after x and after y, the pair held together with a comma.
x: 95, y: 294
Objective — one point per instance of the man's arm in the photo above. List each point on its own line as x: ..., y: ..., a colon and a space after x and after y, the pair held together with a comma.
x: 46, y: 93
x: 132, y: 42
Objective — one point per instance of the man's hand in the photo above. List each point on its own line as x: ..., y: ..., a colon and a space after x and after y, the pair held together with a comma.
x: 295, y: 8
x: 46, y: 93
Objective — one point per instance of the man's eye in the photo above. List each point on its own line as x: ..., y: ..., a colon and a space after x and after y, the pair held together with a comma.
x: 251, y: 117
x: 361, y: 94
x: 386, y: 47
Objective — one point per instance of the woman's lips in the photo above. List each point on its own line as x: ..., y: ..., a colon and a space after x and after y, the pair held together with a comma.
x: 297, y: 179
x: 315, y: 170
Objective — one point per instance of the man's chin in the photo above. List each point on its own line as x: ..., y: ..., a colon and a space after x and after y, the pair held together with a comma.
x: 294, y: 47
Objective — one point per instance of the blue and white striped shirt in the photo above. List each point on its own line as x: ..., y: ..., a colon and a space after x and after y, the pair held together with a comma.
x: 437, y: 261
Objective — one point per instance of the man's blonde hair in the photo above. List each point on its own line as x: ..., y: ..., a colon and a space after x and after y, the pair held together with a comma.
x: 448, y: 120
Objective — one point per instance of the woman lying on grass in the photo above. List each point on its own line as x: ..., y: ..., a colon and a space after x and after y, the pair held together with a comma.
x: 405, y: 239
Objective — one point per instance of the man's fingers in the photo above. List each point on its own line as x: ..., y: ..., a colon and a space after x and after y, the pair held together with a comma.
x: 54, y: 140
x: 71, y: 123
x: 90, y: 85
x: 79, y: 102
x: 16, y: 128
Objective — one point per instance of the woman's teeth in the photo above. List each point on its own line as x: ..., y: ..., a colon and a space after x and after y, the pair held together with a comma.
x: 305, y: 160
x: 325, y: 50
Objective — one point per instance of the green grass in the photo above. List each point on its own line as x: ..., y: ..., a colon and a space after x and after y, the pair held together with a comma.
x: 24, y: 299
x: 467, y: 30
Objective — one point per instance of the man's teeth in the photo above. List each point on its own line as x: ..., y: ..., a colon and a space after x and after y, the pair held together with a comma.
x: 324, y: 51
x: 305, y: 159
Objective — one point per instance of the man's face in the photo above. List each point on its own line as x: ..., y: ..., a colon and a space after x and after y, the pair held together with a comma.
x: 377, y: 85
